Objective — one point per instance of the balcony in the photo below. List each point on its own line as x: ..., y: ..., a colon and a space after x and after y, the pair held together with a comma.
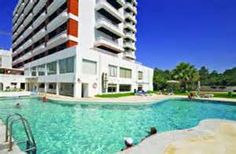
x: 130, y: 55
x: 29, y: 7
x: 130, y: 17
x: 27, y: 44
x: 40, y: 20
x: 59, y: 20
x: 19, y: 39
x: 108, y: 44
x: 107, y: 27
x: 130, y: 7
x: 19, y: 50
x: 57, y: 40
x: 39, y: 6
x: 15, y: 26
x: 39, y: 35
x: 21, y: 7
x: 21, y: 28
x: 130, y: 36
x: 28, y: 31
x: 15, y: 17
x: 20, y: 18
x: 107, y: 10
x: 27, y: 56
x: 130, y: 27
x: 129, y: 45
x: 54, y: 6
x: 28, y: 19
x: 39, y: 49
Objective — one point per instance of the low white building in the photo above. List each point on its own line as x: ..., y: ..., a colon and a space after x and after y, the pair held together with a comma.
x: 5, y: 59
x: 10, y: 79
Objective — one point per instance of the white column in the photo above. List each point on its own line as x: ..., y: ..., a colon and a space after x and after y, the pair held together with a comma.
x: 77, y: 90
x: 57, y: 88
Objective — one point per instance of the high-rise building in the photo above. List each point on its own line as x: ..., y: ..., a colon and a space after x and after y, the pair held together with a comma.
x: 78, y: 48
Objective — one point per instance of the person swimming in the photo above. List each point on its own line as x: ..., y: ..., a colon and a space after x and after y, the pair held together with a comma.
x: 18, y: 105
x: 128, y: 143
x: 152, y: 131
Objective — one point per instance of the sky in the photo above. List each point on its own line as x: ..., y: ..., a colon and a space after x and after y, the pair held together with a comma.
x: 201, y: 32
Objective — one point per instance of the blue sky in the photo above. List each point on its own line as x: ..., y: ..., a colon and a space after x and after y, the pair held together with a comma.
x: 202, y: 32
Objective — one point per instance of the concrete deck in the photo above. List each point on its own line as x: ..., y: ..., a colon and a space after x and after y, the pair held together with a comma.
x: 209, y: 137
x: 129, y: 100
x: 4, y: 146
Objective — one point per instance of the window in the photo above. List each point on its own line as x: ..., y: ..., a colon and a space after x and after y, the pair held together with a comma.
x: 140, y: 75
x: 52, y: 68
x: 125, y: 73
x: 33, y: 71
x: 41, y: 70
x: 112, y: 88
x: 89, y: 67
x: 112, y: 71
x: 125, y: 88
x: 66, y: 65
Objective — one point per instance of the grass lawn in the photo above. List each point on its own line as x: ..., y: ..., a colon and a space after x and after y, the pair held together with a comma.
x: 115, y: 95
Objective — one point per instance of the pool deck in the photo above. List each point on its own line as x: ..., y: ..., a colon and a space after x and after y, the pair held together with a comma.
x: 4, y: 146
x: 209, y: 137
x: 130, y: 100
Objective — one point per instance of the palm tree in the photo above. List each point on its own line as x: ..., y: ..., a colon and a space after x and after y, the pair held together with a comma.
x: 186, y: 74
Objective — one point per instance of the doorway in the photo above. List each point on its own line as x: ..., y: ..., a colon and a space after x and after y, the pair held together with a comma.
x: 84, y: 91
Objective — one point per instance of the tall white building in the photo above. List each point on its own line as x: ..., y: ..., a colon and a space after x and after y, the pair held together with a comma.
x: 78, y: 48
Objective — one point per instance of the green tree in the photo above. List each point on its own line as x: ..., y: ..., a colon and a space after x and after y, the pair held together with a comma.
x: 187, y: 74
x: 230, y: 77
x: 160, y: 78
x: 204, y: 75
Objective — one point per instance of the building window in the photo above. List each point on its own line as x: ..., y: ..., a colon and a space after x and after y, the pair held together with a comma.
x: 125, y: 88
x: 33, y: 71
x: 67, y: 65
x: 140, y: 75
x: 125, y: 73
x: 89, y: 67
x: 66, y: 89
x: 52, y: 68
x: 112, y: 71
x: 112, y: 88
x: 41, y: 70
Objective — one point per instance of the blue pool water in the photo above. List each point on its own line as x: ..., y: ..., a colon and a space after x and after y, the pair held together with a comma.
x: 99, y: 129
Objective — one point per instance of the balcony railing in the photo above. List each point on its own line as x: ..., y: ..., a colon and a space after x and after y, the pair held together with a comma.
x: 103, y: 4
x: 57, y: 40
x: 40, y: 19
x: 28, y: 19
x: 131, y: 7
x: 28, y: 31
x: 131, y: 17
x: 130, y: 26
x: 39, y: 35
x: 29, y: 6
x: 39, y: 6
x: 108, y: 43
x: 54, y: 6
x: 61, y: 18
x: 130, y: 36
x: 105, y: 23
x: 27, y: 44
x: 130, y: 55
x: 130, y: 45
x: 39, y: 49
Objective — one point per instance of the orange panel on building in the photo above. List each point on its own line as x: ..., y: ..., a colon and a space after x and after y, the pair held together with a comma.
x: 73, y: 7
x: 72, y: 28
x: 71, y: 43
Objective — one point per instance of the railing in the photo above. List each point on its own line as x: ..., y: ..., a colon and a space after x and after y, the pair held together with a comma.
x: 108, y: 21
x: 30, y: 142
x: 110, y: 40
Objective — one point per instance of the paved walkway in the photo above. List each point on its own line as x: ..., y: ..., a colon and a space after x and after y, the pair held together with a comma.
x: 210, y: 137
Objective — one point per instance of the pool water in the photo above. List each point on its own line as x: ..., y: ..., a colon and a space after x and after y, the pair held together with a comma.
x: 100, y: 129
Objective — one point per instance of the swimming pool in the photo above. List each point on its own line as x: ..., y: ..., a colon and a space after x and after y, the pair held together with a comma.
x: 83, y: 128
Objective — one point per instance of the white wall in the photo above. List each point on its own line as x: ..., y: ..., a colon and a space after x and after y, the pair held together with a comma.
x: 6, y: 80
x: 5, y: 59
